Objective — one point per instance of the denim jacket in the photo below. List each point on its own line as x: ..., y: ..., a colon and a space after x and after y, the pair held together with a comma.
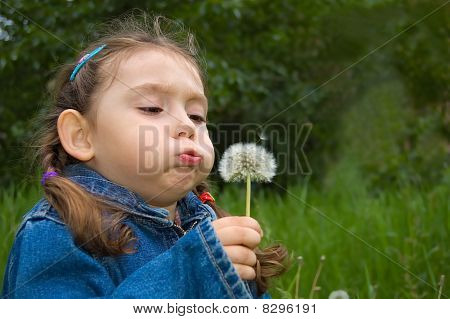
x: 45, y: 262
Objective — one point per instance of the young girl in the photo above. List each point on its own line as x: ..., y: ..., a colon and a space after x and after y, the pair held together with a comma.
x: 126, y: 211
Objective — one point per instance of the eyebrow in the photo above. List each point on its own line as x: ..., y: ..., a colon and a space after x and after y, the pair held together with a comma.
x: 167, y: 88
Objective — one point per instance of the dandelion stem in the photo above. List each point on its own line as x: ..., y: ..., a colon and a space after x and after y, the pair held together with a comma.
x: 316, y: 278
x: 247, y: 203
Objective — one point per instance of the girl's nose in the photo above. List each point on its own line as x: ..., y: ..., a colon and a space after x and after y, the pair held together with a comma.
x: 185, y: 127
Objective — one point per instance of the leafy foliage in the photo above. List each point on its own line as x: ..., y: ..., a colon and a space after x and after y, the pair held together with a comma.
x: 321, y: 58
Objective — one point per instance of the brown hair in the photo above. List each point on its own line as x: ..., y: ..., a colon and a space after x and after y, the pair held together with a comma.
x: 84, y: 212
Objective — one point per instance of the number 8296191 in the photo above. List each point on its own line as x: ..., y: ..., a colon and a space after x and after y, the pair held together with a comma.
x: 289, y: 308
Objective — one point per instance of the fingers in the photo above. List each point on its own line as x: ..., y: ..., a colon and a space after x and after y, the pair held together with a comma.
x: 241, y: 255
x: 242, y: 221
x: 240, y: 235
x: 245, y: 272
x: 237, y: 235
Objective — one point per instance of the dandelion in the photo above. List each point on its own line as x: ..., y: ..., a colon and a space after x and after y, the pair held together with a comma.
x: 247, y: 162
x: 339, y: 294
x: 314, y: 287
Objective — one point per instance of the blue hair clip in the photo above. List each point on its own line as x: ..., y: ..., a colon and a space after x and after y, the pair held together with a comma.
x: 84, y: 59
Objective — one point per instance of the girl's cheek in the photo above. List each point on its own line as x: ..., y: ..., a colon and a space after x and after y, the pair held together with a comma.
x: 207, y: 146
x: 204, y: 136
x: 211, y: 153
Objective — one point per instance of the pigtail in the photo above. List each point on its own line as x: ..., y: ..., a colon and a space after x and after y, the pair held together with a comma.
x: 272, y: 261
x: 84, y: 213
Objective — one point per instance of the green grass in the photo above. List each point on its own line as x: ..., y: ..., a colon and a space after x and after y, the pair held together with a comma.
x: 410, y: 226
x: 15, y: 201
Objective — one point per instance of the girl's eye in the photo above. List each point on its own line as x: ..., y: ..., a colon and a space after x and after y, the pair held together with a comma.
x: 198, y: 118
x: 151, y: 109
x: 156, y: 110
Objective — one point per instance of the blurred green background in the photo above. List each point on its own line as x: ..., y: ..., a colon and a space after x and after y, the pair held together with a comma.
x: 372, y: 78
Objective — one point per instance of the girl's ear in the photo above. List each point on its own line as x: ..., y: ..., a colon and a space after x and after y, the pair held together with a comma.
x: 75, y: 135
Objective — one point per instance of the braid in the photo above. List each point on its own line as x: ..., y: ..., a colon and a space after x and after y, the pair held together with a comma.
x: 53, y: 155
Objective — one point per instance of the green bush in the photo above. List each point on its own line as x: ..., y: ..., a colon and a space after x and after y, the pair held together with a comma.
x: 262, y: 57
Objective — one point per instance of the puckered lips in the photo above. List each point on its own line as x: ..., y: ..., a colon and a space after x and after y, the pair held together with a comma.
x: 189, y: 157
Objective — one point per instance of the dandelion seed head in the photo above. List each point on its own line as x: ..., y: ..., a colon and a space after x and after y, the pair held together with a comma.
x: 242, y: 159
x: 339, y: 294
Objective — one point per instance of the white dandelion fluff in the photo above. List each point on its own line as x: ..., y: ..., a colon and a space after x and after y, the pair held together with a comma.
x: 339, y: 294
x: 247, y: 162
x: 247, y: 159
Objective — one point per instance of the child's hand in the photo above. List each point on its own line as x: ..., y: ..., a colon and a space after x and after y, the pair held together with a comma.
x: 240, y: 235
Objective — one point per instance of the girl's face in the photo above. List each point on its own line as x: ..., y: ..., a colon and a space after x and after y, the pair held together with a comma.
x: 153, y: 111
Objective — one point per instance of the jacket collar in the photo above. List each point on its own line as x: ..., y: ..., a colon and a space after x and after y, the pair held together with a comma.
x: 190, y: 206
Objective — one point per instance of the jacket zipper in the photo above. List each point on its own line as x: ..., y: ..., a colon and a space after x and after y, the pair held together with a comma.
x: 185, y: 231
